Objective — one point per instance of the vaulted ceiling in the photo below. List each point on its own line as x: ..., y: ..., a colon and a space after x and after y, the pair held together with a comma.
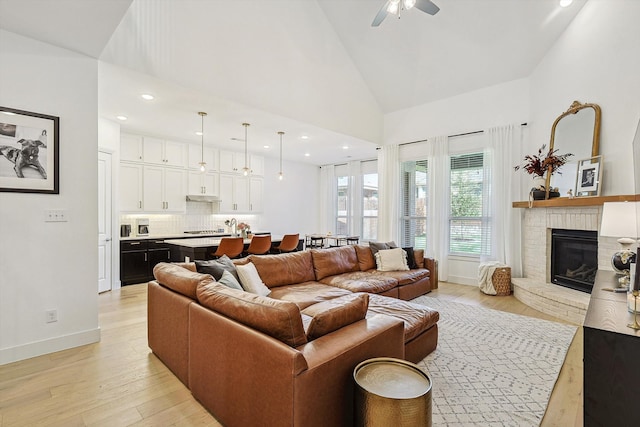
x: 306, y: 67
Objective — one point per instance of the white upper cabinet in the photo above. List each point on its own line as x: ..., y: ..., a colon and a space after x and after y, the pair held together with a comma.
x: 203, y: 183
x: 164, y: 189
x: 257, y: 165
x: 210, y: 157
x: 162, y: 152
x: 130, y: 148
x: 131, y: 187
x: 231, y: 162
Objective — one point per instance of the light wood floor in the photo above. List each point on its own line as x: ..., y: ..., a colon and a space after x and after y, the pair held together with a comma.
x: 118, y: 382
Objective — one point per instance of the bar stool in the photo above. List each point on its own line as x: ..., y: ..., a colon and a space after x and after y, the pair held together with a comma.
x: 229, y: 246
x: 353, y: 240
x: 289, y: 243
x: 259, y: 245
x: 314, y: 242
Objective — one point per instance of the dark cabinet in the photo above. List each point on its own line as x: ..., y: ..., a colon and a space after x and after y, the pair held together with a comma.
x: 134, y: 262
x: 157, y: 251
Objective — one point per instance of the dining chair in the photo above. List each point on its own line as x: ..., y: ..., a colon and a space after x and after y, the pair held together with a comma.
x: 353, y: 240
x: 314, y: 241
x: 289, y: 243
x: 229, y: 246
x: 260, y: 245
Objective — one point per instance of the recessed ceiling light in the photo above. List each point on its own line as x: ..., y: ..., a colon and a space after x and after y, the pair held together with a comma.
x: 199, y: 133
x: 565, y: 3
x: 345, y: 147
x: 304, y: 137
x: 266, y: 147
x: 147, y: 96
x: 123, y: 118
x: 307, y: 154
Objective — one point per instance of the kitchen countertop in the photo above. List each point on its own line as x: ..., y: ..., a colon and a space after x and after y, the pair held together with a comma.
x: 204, y: 242
x: 175, y: 236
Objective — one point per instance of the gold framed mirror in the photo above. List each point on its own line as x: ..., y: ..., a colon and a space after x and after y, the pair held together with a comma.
x: 576, y: 131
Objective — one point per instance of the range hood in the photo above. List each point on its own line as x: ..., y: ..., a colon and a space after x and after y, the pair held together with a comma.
x: 202, y: 198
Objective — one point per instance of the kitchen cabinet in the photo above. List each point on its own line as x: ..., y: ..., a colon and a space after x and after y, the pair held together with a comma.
x: 240, y: 194
x: 134, y: 262
x: 203, y: 183
x: 164, y: 189
x: 196, y: 154
x: 130, y: 147
x: 138, y: 257
x: 162, y: 152
x: 257, y: 165
x: 131, y: 187
x: 231, y: 162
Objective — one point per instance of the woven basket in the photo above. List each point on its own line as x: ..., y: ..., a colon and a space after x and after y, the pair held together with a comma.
x: 502, y: 280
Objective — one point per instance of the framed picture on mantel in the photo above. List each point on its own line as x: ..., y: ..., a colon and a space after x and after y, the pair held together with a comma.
x: 589, y: 177
x: 29, y: 148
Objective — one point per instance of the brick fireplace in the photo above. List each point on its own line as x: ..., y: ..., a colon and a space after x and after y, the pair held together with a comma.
x: 535, y: 288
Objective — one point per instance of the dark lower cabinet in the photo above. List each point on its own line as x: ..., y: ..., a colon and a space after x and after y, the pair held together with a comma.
x: 138, y: 257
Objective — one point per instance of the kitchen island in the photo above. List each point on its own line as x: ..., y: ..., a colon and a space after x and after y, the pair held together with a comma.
x: 185, y: 250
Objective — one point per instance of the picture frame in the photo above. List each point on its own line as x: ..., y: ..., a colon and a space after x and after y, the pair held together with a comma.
x: 29, y: 152
x: 589, y: 177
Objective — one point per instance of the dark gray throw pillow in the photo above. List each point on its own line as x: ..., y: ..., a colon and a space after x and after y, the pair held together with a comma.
x: 376, y: 246
x: 411, y: 258
x: 216, y: 267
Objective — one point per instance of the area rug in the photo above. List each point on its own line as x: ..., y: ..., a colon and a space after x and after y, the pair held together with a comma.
x: 492, y: 368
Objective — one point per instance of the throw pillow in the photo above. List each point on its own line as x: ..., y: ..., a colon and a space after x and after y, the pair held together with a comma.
x: 376, y: 246
x: 216, y: 267
x: 391, y: 260
x: 411, y: 258
x: 228, y: 280
x: 332, y: 315
x: 251, y: 281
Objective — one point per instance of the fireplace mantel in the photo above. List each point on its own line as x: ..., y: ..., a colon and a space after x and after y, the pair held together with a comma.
x: 576, y: 202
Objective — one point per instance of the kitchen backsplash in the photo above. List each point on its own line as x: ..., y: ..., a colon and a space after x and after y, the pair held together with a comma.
x: 197, y: 217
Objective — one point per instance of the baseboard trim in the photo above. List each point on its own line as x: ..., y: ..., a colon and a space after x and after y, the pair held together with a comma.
x: 463, y: 280
x: 38, y: 348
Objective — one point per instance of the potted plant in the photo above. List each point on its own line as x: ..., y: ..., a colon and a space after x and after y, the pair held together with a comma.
x: 537, y: 165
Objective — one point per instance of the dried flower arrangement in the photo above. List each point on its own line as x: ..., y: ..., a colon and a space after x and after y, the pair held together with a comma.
x: 538, y: 165
x: 244, y: 226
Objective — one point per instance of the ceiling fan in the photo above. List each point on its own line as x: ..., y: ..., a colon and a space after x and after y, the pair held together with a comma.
x: 395, y: 6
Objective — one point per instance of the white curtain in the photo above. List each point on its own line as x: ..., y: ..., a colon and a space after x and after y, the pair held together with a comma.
x: 355, y: 198
x: 328, y: 199
x: 388, y: 193
x: 502, y: 153
x: 438, y: 204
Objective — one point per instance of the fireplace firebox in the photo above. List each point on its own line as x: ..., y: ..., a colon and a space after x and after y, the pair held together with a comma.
x: 574, y: 258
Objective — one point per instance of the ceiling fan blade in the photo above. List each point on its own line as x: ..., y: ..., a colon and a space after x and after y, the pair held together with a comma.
x: 381, y: 15
x: 427, y: 6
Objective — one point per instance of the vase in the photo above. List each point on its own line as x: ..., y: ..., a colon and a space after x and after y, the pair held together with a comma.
x: 539, y: 183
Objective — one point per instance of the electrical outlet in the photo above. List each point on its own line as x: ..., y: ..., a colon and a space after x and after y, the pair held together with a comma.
x: 52, y: 316
x: 55, y: 215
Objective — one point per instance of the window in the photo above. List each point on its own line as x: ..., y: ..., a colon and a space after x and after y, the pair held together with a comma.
x: 342, y: 214
x: 414, y: 204
x: 466, y: 223
x: 369, y: 206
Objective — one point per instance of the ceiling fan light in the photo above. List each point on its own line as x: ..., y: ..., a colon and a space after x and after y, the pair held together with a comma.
x: 408, y: 4
x: 393, y: 7
x: 565, y: 3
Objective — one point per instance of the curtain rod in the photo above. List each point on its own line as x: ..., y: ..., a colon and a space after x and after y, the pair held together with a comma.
x: 449, y: 136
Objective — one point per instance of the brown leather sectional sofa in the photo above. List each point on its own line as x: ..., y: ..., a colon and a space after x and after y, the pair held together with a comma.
x: 287, y: 359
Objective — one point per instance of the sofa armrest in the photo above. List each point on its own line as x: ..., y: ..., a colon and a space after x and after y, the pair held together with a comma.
x: 431, y: 264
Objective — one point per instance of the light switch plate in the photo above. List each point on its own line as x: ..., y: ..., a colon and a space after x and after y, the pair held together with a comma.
x: 55, y: 215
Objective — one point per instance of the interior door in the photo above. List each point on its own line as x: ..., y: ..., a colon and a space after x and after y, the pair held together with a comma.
x: 104, y: 222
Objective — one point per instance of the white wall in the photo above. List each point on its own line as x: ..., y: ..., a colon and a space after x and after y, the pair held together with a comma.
x: 50, y: 265
x: 595, y: 60
x: 291, y: 205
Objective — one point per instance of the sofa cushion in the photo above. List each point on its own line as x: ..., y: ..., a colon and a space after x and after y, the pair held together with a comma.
x: 391, y: 259
x: 418, y: 254
x: 360, y: 281
x: 216, y: 267
x: 284, y: 269
x: 180, y: 279
x: 278, y: 319
x: 251, y: 281
x: 332, y: 261
x: 332, y: 315
x: 365, y: 257
x: 417, y: 318
x: 404, y: 277
x: 307, y: 293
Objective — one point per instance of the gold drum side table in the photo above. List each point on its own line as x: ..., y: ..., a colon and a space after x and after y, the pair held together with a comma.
x: 391, y: 392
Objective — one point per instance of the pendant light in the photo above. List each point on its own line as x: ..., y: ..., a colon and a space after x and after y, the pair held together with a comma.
x: 280, y: 176
x: 245, y: 169
x: 203, y: 164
